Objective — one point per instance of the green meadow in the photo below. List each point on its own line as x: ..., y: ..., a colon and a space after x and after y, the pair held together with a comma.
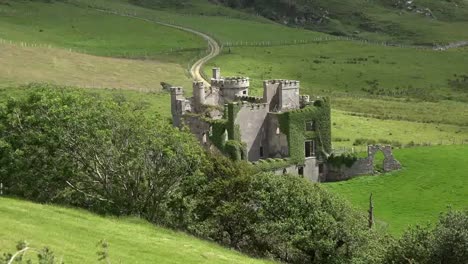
x: 74, y: 234
x: 432, y: 179
x: 351, y: 68
x: 90, y: 31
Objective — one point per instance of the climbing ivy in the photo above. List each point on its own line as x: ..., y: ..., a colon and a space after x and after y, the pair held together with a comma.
x: 272, y: 164
x: 347, y: 159
x: 218, y: 133
x: 235, y: 150
x: 233, y: 129
x: 293, y: 124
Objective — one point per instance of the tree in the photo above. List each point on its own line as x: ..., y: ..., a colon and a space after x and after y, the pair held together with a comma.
x: 68, y: 146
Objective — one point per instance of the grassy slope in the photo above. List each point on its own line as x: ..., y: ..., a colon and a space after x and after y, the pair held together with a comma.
x: 90, y: 31
x: 347, y: 128
x: 26, y: 64
x: 380, y: 20
x: 346, y: 67
x: 74, y: 234
x: 432, y: 179
x: 226, y: 26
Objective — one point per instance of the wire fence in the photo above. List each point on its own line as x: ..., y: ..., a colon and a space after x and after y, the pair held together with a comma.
x: 269, y: 43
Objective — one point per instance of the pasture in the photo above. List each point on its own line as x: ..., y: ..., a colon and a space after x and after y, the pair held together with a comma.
x: 432, y: 179
x: 87, y: 30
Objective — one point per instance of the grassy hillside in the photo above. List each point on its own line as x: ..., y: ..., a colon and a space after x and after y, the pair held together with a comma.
x: 74, y: 234
x: 351, y: 131
x: 90, y: 31
x: 22, y: 65
x: 419, y: 21
x: 340, y: 68
x: 433, y: 178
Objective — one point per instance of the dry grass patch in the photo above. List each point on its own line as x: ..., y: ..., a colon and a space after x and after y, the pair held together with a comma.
x: 22, y: 65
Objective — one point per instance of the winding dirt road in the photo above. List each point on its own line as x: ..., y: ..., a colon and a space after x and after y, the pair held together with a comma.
x: 196, y: 70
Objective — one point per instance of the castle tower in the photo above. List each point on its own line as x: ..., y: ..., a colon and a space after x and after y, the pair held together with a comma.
x: 289, y: 95
x: 216, y: 73
x: 198, y: 94
x: 177, y: 95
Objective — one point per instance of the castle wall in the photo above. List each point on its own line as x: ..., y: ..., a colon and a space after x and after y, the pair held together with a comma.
x: 289, y: 98
x: 277, y: 143
x: 251, y: 120
x: 270, y: 94
x: 199, y: 128
x: 178, y: 105
x: 364, y: 166
x: 310, y: 170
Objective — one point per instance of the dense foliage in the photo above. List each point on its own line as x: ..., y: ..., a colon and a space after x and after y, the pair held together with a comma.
x: 283, y: 217
x: 72, y: 147
x: 447, y: 242
x: 61, y: 145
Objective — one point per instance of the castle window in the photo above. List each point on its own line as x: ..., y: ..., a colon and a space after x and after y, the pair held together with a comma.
x: 300, y: 170
x: 310, y: 148
x: 244, y: 92
x: 261, y: 152
x: 320, y: 168
x: 310, y: 126
x: 278, y: 131
x: 204, y: 138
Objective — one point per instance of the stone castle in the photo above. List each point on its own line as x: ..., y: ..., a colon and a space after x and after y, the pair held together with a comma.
x: 282, y: 131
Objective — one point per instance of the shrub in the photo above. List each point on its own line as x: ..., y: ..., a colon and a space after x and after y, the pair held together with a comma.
x: 447, y: 242
x: 283, y: 217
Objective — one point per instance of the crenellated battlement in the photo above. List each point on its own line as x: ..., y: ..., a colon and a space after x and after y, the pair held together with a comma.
x: 251, y: 106
x: 177, y: 90
x: 252, y: 99
x: 286, y: 84
x: 231, y: 82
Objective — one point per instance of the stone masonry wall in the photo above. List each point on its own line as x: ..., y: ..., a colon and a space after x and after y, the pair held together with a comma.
x: 364, y: 166
x: 251, y: 120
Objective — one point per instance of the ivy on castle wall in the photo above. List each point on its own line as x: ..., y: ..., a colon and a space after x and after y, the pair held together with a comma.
x: 272, y: 164
x: 293, y: 124
x: 233, y: 129
x: 225, y: 134
x: 235, y: 150
x: 347, y: 159
x: 218, y: 133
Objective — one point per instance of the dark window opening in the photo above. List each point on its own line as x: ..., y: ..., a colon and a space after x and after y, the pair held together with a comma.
x: 261, y: 151
x: 244, y: 92
x: 300, y: 170
x: 320, y: 168
x: 309, y: 149
x: 310, y: 126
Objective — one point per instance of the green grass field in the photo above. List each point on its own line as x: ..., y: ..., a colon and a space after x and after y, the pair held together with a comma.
x: 90, y: 31
x: 21, y: 65
x: 346, y: 128
x: 343, y: 67
x: 432, y: 179
x: 73, y: 234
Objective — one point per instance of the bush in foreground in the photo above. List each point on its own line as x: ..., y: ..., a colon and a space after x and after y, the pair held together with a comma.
x: 69, y: 146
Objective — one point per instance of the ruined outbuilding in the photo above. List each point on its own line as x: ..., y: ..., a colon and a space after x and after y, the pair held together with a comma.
x: 282, y: 131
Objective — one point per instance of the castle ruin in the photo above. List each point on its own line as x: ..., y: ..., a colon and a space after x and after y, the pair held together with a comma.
x: 282, y: 131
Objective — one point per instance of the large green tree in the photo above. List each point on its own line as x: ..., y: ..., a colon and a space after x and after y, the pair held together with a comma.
x: 69, y: 146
